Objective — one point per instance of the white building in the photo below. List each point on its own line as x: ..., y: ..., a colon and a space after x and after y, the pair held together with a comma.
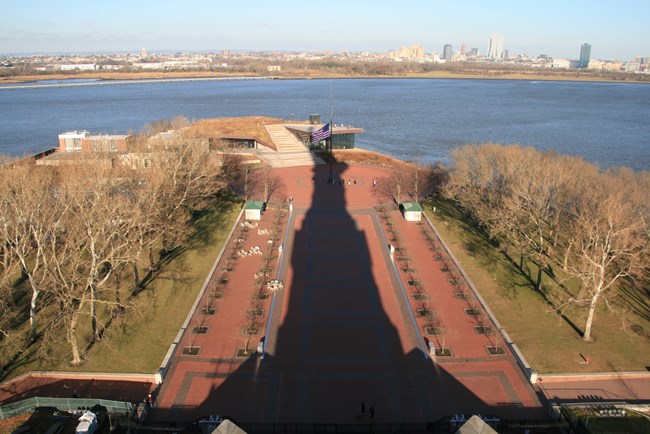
x: 495, y: 47
x: 79, y: 67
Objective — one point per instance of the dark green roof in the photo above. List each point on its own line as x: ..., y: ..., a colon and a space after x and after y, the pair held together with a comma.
x: 410, y: 206
x: 254, y: 204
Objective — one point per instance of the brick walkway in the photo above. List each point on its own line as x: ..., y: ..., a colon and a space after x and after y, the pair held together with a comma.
x: 343, y: 329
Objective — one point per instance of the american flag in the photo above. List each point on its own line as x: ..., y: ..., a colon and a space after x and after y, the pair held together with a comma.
x: 321, y: 134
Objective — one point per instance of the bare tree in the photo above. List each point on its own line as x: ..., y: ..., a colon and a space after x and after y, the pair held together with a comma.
x: 611, y: 238
x: 394, y: 186
x: 30, y: 214
x: 102, y: 207
x: 437, y: 178
x: 267, y: 183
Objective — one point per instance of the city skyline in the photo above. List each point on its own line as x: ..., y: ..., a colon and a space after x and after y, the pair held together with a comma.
x: 554, y: 28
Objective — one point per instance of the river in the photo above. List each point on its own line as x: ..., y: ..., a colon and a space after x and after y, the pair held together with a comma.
x: 423, y: 119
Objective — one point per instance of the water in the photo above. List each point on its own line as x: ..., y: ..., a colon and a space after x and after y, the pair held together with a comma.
x: 606, y: 123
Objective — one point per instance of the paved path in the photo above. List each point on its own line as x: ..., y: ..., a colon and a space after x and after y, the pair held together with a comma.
x: 343, y: 330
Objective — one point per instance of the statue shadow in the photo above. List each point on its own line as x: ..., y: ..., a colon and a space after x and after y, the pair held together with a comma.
x: 341, y: 333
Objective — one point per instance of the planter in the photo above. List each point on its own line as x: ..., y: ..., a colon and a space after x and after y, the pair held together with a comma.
x: 420, y: 297
x: 200, y: 330
x: 472, y: 312
x: 495, y: 351
x: 208, y: 311
x: 241, y: 352
x: 425, y: 313
x: 432, y: 331
x: 444, y: 352
x: 255, y: 312
x: 461, y: 295
x: 253, y: 330
x: 483, y: 330
x: 191, y: 351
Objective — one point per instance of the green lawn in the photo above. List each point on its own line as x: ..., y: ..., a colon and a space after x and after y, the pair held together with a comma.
x: 138, y: 341
x: 550, y: 339
x: 631, y: 423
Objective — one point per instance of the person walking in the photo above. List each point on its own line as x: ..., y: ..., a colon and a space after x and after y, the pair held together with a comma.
x: 372, y: 412
x: 362, y: 409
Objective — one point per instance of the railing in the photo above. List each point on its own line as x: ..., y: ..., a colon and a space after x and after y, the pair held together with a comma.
x: 64, y: 404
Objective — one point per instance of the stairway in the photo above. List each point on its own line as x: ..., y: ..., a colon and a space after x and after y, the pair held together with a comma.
x: 284, y: 140
x: 290, y: 150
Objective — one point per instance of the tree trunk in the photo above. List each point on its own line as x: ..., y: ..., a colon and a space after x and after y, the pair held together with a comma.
x: 538, y: 283
x: 152, y: 264
x: 118, y: 285
x: 136, y: 276
x: 566, y: 257
x: 32, y: 313
x: 72, y: 340
x: 590, y: 317
x: 93, y: 312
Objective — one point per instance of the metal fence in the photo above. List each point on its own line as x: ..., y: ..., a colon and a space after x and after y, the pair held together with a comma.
x: 64, y: 404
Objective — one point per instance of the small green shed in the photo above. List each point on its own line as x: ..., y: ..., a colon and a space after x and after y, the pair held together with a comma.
x: 412, y: 211
x: 254, y: 209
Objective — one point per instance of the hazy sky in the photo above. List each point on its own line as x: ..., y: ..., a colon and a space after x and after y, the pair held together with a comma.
x: 616, y: 30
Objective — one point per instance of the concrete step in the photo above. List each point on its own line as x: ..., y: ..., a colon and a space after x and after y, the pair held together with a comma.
x: 283, y: 139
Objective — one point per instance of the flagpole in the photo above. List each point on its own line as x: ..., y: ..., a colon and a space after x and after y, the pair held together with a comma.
x: 331, y: 178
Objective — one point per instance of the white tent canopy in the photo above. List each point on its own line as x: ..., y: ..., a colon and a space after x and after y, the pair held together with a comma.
x: 475, y: 425
x: 228, y: 427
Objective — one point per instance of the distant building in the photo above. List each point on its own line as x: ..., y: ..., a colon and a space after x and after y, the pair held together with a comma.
x: 495, y: 47
x: 274, y: 68
x: 412, y: 52
x: 463, y: 49
x: 82, y: 141
x: 595, y: 64
x: 585, y: 53
x: 143, y: 52
x: 560, y: 63
x: 447, y: 53
x: 79, y: 67
x: 612, y: 66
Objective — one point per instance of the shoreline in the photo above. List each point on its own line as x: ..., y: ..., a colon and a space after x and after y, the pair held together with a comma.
x: 567, y: 76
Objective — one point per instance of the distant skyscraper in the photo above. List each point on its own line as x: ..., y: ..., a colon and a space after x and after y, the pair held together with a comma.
x: 585, y: 54
x: 463, y: 49
x: 143, y: 52
x: 447, y: 53
x: 495, y: 47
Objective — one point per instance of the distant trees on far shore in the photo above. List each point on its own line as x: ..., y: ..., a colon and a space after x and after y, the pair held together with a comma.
x: 561, y: 213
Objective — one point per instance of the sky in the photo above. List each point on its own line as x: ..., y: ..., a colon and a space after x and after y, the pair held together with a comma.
x: 615, y: 30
